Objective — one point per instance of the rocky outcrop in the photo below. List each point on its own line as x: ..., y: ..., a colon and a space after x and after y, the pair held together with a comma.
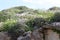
x: 35, y: 35
x: 47, y: 32
x: 43, y: 33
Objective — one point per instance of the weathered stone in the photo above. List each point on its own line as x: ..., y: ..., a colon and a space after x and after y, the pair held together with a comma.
x: 4, y: 36
x: 20, y: 38
x: 26, y: 36
x: 35, y: 35
x: 51, y: 35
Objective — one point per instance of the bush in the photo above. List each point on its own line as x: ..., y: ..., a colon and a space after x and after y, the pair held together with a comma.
x: 5, y: 16
x: 38, y: 22
x: 13, y: 28
x: 56, y: 17
x: 29, y: 25
x: 7, y: 25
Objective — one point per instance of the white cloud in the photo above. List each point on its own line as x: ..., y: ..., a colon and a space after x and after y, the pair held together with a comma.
x: 52, y: 2
x: 42, y: 3
x: 28, y: 1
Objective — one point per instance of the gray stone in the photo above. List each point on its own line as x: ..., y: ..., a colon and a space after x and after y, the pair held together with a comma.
x: 35, y: 35
x: 4, y: 36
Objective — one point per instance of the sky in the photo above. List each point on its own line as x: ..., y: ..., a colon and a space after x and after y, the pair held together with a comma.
x: 35, y: 4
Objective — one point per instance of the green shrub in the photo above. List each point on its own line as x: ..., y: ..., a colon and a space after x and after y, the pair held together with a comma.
x: 12, y: 27
x: 5, y: 16
x: 29, y: 25
x: 55, y: 17
x: 38, y: 22
x: 7, y: 25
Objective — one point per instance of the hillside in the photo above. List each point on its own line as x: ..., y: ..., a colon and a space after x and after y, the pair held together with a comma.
x: 18, y: 20
x: 24, y: 12
x: 54, y: 8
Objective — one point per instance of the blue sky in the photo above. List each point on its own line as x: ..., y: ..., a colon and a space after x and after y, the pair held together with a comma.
x: 36, y: 4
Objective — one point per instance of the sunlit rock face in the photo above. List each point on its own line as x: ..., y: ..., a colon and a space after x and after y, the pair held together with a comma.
x: 4, y: 36
x: 51, y: 35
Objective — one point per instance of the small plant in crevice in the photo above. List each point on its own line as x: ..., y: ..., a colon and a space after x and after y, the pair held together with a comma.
x: 55, y: 30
